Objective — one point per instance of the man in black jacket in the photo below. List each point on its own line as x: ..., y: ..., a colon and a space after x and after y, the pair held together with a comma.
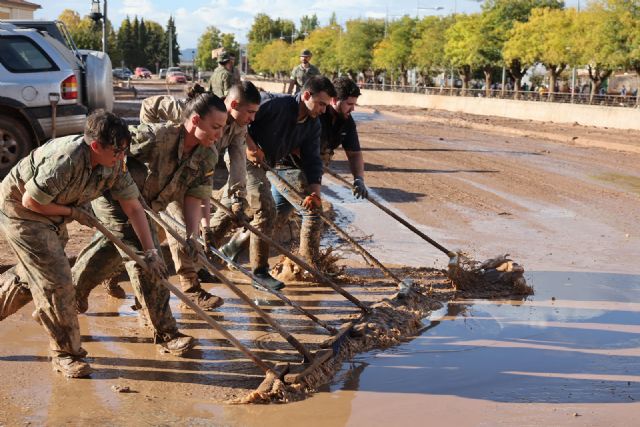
x: 286, y: 135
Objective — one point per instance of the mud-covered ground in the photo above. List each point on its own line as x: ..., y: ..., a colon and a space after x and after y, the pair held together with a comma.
x: 555, y: 197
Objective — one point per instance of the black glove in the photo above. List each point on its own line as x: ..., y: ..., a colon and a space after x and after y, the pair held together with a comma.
x: 359, y: 189
x: 81, y: 216
x: 157, y: 268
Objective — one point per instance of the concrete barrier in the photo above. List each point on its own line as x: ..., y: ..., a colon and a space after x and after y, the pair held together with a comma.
x: 588, y: 115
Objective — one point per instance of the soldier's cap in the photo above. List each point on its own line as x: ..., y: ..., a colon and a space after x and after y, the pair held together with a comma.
x: 306, y: 52
x: 224, y: 57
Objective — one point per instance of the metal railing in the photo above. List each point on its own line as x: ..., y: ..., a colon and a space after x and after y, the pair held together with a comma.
x: 627, y: 101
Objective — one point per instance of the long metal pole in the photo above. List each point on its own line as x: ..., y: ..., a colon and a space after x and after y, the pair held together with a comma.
x: 337, y: 229
x: 314, y: 271
x: 246, y: 272
x: 105, y: 27
x: 203, y: 259
x: 199, y: 312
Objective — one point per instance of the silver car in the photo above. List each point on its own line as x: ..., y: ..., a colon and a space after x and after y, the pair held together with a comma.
x: 46, y: 89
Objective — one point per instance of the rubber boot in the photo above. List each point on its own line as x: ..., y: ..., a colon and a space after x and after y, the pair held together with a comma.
x: 235, y: 246
x: 266, y: 280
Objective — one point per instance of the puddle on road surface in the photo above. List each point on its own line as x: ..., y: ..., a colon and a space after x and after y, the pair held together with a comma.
x: 583, y: 348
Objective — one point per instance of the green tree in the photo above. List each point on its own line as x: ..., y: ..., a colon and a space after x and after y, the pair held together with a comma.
x: 628, y: 13
x: 471, y: 45
x: 274, y: 58
x: 393, y: 53
x: 126, y: 43
x: 228, y: 41
x: 333, y: 20
x: 355, y: 47
x: 500, y: 17
x: 600, y: 43
x: 156, y: 56
x: 323, y: 42
x: 264, y: 30
x: 546, y: 38
x: 88, y: 35
x: 308, y: 24
x: 427, y: 51
x: 171, y: 39
x: 209, y: 40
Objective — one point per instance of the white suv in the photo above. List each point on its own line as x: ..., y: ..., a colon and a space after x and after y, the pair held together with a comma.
x: 46, y: 87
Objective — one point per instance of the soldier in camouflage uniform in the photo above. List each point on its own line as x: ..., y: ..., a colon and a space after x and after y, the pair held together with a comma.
x: 302, y: 72
x: 339, y: 129
x: 41, y: 194
x: 242, y: 104
x: 173, y: 166
x: 222, y: 78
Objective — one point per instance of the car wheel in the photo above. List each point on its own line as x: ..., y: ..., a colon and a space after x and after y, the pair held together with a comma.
x: 15, y: 143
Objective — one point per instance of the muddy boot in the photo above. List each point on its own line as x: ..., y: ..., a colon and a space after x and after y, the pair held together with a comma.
x: 266, y: 280
x: 13, y: 294
x: 236, y: 245
x: 176, y: 344
x: 192, y: 289
x: 206, y: 277
x: 71, y: 366
x: 113, y: 288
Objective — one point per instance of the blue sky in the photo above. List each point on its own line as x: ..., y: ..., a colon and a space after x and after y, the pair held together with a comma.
x: 236, y: 16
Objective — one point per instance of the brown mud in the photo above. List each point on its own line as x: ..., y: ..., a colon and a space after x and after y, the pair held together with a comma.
x: 552, y: 204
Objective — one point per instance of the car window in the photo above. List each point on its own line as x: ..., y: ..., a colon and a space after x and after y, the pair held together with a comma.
x: 21, y: 55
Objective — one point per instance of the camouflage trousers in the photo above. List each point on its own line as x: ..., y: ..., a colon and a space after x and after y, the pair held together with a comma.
x: 263, y: 211
x: 186, y: 268
x: 44, y: 270
x: 97, y: 261
x: 286, y: 202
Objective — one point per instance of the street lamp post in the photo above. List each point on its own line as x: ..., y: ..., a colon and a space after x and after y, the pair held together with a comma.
x: 96, y: 16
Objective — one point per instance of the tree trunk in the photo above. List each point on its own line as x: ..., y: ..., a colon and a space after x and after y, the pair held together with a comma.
x: 517, y: 72
x: 487, y: 81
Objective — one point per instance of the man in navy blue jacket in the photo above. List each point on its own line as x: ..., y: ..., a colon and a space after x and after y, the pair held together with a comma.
x: 286, y: 135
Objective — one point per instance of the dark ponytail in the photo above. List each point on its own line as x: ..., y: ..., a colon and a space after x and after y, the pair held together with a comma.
x: 202, y: 104
x: 193, y: 90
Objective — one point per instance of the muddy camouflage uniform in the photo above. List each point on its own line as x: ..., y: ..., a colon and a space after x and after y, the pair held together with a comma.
x: 58, y: 172
x: 164, y: 177
x: 221, y: 81
x: 232, y: 142
x: 300, y: 75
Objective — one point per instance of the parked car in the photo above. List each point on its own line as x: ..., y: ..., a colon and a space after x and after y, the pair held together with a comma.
x: 176, y: 77
x: 170, y: 69
x: 142, y: 73
x: 162, y: 74
x: 122, y: 73
x: 48, y: 86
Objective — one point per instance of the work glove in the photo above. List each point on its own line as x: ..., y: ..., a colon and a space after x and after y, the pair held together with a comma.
x: 255, y: 156
x: 81, y: 216
x: 359, y: 189
x: 193, y: 248
x: 238, y: 210
x: 157, y: 270
x: 311, y: 202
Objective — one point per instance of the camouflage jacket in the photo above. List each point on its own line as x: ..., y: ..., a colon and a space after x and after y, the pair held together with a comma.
x: 161, y: 170
x: 60, y: 172
x: 300, y: 75
x: 168, y: 108
x: 221, y: 81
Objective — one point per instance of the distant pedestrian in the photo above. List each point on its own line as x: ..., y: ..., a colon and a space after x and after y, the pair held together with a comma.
x: 301, y: 73
x: 222, y: 78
